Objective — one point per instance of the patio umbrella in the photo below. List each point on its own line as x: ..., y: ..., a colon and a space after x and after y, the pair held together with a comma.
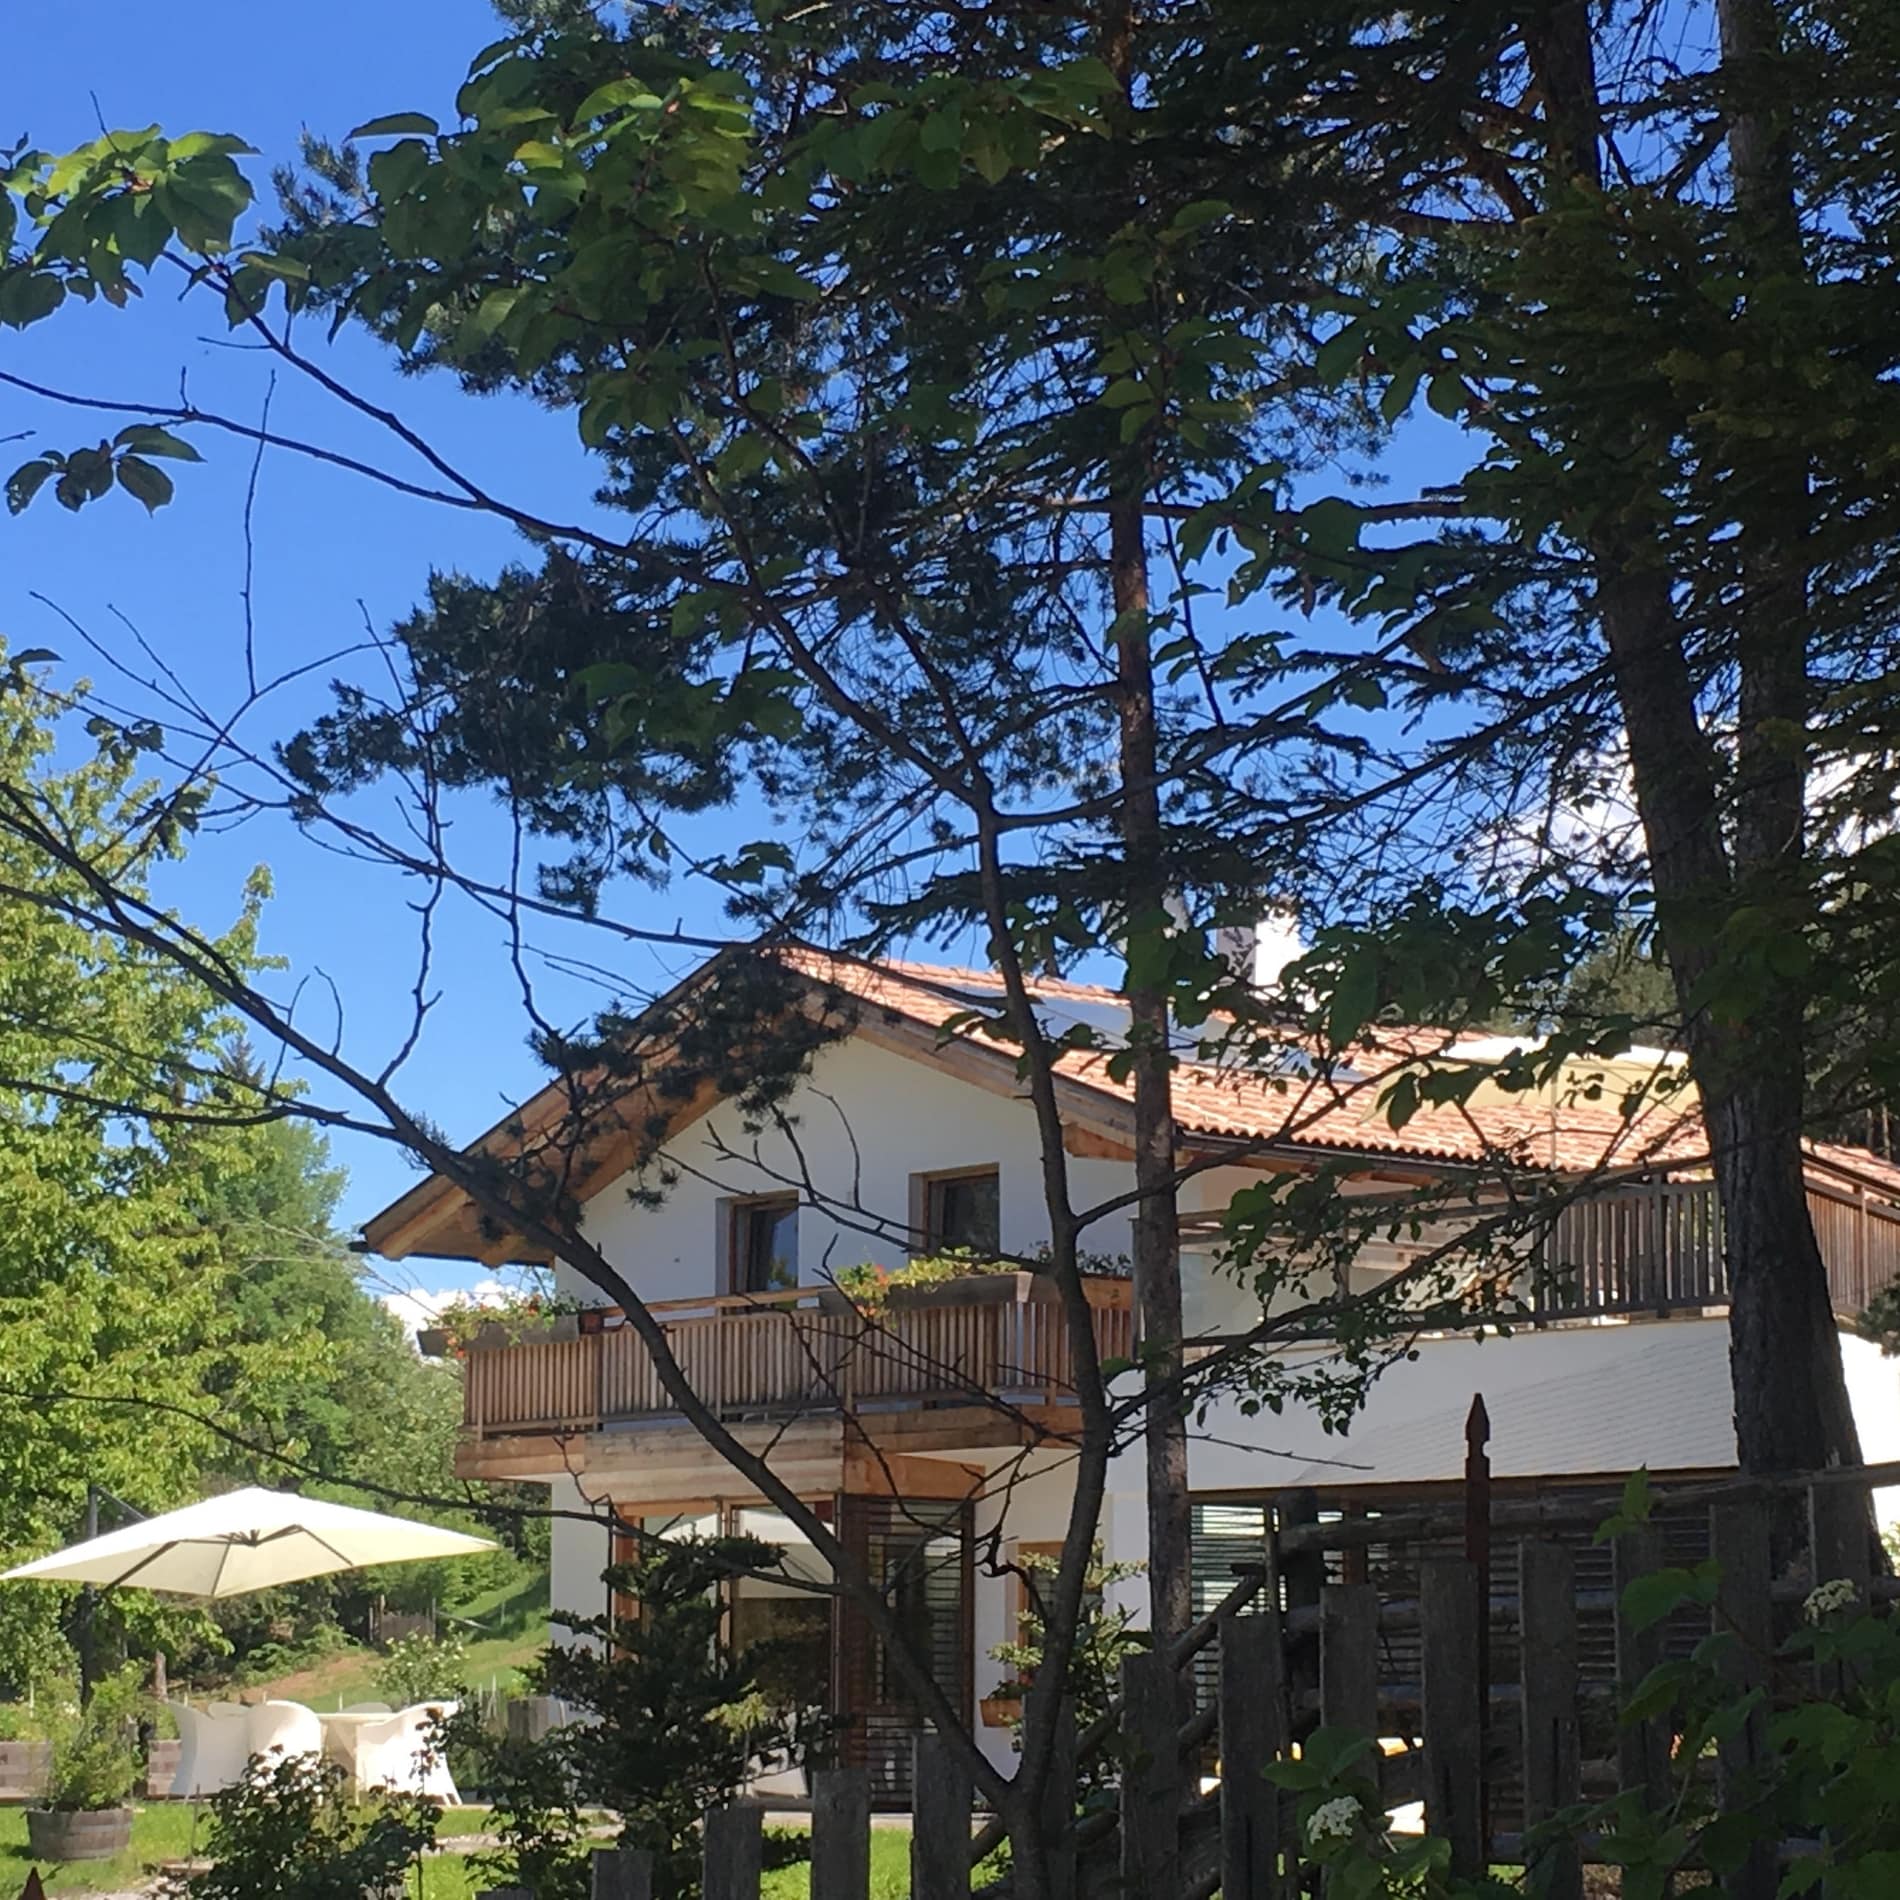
x: 246, y: 1540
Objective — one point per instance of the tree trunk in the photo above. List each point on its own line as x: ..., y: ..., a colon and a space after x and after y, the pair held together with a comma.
x: 1789, y: 1389
x: 1157, y: 1245
x: 1791, y: 1405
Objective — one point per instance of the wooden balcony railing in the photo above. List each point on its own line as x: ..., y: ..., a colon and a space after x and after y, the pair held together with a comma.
x: 1657, y: 1248
x: 806, y: 1350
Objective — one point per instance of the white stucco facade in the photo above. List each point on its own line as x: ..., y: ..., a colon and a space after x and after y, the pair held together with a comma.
x: 1594, y: 1399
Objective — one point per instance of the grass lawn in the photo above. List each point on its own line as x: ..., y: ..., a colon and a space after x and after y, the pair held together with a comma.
x: 448, y: 1876
x: 160, y: 1833
x: 514, y: 1630
x: 163, y: 1832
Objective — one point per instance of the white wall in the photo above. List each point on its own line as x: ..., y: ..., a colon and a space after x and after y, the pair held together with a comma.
x: 579, y: 1552
x: 1873, y: 1389
x: 864, y: 1122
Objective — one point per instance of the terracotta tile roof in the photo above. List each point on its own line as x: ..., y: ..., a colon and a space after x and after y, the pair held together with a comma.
x: 1303, y: 1112
x: 1565, y: 1132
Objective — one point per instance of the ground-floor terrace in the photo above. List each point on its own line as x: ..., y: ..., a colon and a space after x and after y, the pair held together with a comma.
x: 942, y: 1504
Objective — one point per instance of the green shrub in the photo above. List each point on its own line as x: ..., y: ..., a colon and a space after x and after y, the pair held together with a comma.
x: 669, y: 1723
x: 291, y: 1830
x: 423, y: 1668
x: 96, y: 1760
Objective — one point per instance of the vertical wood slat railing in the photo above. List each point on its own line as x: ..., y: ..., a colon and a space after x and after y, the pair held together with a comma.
x: 804, y: 1349
x: 1656, y: 1247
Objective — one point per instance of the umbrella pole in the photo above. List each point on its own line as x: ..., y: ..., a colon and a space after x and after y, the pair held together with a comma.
x: 88, y: 1607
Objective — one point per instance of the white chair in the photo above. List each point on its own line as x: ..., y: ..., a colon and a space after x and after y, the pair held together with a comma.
x: 277, y: 1730
x: 396, y: 1753
x: 367, y: 1708
x: 214, y: 1745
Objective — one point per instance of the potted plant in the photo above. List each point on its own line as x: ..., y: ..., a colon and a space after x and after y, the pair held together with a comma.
x: 1003, y: 1706
x: 93, y: 1770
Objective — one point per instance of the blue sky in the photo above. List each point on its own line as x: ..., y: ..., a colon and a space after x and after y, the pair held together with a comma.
x: 329, y: 550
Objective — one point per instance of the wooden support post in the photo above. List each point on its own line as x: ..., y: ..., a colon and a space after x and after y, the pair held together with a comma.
x: 734, y: 1853
x: 1254, y: 1731
x: 1349, y: 1657
x: 1152, y: 1778
x: 1642, y: 1748
x: 940, y: 1822
x: 841, y: 1833
x: 1547, y: 1635
x: 621, y: 1873
x: 1454, y: 1769
x: 1058, y: 1805
x: 1740, y: 1537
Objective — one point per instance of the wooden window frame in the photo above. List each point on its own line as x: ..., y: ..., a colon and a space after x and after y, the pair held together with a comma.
x: 1019, y: 1584
x: 923, y: 1194
x: 735, y: 1254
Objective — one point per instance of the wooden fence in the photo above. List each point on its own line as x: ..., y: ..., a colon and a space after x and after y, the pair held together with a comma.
x: 1494, y: 1703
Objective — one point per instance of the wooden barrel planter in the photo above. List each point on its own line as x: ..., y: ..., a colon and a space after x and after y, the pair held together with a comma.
x: 54, y: 1834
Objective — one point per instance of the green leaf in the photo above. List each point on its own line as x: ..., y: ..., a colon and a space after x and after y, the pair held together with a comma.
x: 1355, y: 995
x: 1648, y: 1600
x: 1135, y: 418
x: 142, y: 439
x: 393, y: 122
x: 25, y: 482
x: 145, y: 481
x: 1634, y: 1510
x: 398, y: 169
x: 28, y: 295
x: 1123, y: 392
x: 210, y: 145
x: 615, y: 94
x: 1197, y: 216
x: 942, y: 131
x: 539, y: 155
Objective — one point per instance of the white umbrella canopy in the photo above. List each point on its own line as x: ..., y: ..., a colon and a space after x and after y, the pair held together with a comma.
x: 246, y: 1540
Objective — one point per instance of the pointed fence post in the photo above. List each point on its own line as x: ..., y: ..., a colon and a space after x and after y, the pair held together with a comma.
x: 1254, y: 1730
x: 1454, y: 1768
x: 841, y: 1833
x: 940, y: 1822
x: 1642, y: 1748
x: 1152, y: 1778
x: 1840, y: 1532
x: 1547, y: 1638
x: 1349, y: 1657
x: 1740, y: 1541
x: 621, y: 1873
x: 1478, y: 1555
x: 734, y: 1853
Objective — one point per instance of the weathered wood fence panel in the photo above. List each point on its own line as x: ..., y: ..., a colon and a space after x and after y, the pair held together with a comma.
x: 1296, y: 1651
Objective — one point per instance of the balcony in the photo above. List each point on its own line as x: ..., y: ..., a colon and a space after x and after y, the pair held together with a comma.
x: 1657, y: 1248
x: 808, y: 1351
x: 929, y: 1357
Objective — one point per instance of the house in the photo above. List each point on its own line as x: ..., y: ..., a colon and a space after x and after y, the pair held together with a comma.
x: 908, y: 1130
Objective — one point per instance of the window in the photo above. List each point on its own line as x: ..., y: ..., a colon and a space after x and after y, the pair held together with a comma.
x: 1034, y: 1578
x: 762, y: 1253
x: 961, y: 1210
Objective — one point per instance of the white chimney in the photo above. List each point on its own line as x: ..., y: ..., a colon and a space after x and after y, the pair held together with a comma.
x: 1276, y: 943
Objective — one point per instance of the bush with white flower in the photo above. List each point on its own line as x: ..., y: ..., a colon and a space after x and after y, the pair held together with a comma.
x: 1830, y: 1599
